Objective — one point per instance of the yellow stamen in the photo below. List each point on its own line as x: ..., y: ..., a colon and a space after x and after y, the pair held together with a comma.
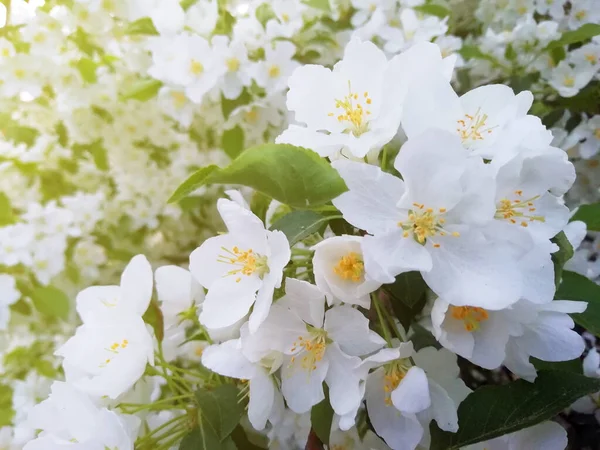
x: 472, y: 316
x: 350, y: 267
x: 246, y: 262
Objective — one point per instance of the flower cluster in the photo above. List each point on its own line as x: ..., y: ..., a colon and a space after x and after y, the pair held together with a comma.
x: 411, y: 226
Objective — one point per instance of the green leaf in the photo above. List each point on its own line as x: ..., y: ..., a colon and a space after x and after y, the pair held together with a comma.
x: 242, y: 441
x: 433, y: 10
x: 186, y: 4
x: 143, y: 26
x: 510, y: 53
x: 219, y: 409
x: 264, y: 13
x: 259, y: 204
x: 590, y: 215
x: 574, y: 365
x: 323, y: 5
x: 407, y: 296
x: 493, y: 411
x: 154, y: 317
x: 203, y: 438
x: 583, y: 33
x: 142, y: 90
x: 321, y: 417
x: 232, y: 141
x: 298, y: 225
x: 6, y: 409
x: 560, y: 257
x: 87, y: 69
x: 51, y: 301
x: 6, y: 213
x: 577, y: 287
x: 473, y: 52
x: 227, y: 106
x: 292, y: 175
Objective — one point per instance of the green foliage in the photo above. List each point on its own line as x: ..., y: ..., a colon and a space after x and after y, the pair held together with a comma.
x: 259, y: 204
x: 560, y: 257
x: 6, y: 410
x: 433, y: 9
x: 292, y: 175
x: 87, y: 69
x: 298, y: 225
x: 232, y: 141
x: 577, y: 287
x: 473, y: 52
x: 583, y: 33
x: 590, y: 215
x: 493, y: 411
x: 219, y: 409
x: 142, y: 90
x: 407, y: 296
x: 51, y: 301
x: 323, y: 5
x: 227, y: 106
x: 21, y: 360
x: 574, y: 365
x: 143, y: 26
x: 321, y: 417
x: 6, y: 212
x: 154, y: 317
x: 202, y: 438
x: 264, y: 13
x: 186, y: 4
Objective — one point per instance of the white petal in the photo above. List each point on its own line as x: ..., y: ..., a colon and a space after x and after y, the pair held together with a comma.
x: 303, y: 388
x: 350, y: 329
x: 136, y: 284
x: 343, y: 380
x: 228, y: 360
x: 262, y: 396
x: 412, y: 394
x: 228, y: 301
x: 443, y: 408
x: 98, y: 299
x: 306, y: 300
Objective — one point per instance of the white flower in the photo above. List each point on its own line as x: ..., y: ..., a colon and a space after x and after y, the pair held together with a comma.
x: 240, y: 268
x: 175, y: 104
x: 235, y: 58
x: 428, y: 222
x: 544, y: 332
x: 319, y: 347
x: 478, y: 117
x: 132, y: 297
x: 288, y: 19
x: 339, y: 271
x: 68, y: 418
x: 582, y: 12
x: 167, y: 16
x: 108, y: 355
x: 587, y: 133
x: 273, y: 73
x: 402, y: 398
x: 545, y: 435
x: 10, y: 294
x: 412, y: 30
x: 266, y: 402
x: 357, y: 106
x: 568, y: 80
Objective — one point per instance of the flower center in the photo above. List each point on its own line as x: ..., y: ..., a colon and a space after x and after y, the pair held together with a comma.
x: 274, y: 71
x: 178, y: 98
x: 350, y: 267
x: 5, y: 52
x: 196, y: 67
x: 233, y: 64
x: 581, y: 14
x: 252, y: 116
x: 424, y: 223
x: 473, y: 127
x: 518, y: 210
x: 597, y: 133
x: 353, y: 112
x: 569, y: 81
x: 246, y: 262
x: 285, y: 17
x: 471, y: 316
x: 311, y: 348
x: 394, y: 374
x: 591, y: 58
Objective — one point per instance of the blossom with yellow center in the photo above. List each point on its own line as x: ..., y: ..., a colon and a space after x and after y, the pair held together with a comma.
x: 592, y: 58
x: 233, y: 64
x: 247, y: 262
x: 354, y: 111
x: 394, y: 374
x: 424, y: 223
x: 569, y: 81
x: 179, y: 99
x: 581, y: 14
x: 473, y: 127
x: 196, y: 67
x: 518, y: 210
x: 350, y: 267
x: 471, y: 316
x: 312, y: 348
x: 5, y: 52
x: 597, y: 133
x: 274, y: 71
